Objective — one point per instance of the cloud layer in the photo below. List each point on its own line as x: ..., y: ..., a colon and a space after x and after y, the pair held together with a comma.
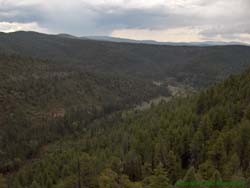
x: 164, y: 20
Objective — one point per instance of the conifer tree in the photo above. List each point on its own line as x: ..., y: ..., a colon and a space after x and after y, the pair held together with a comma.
x: 216, y: 179
x: 173, y: 167
x: 190, y: 175
x: 218, y: 153
x: 232, y: 167
x: 132, y: 166
x: 159, y: 179
x: 108, y: 179
x: 206, y: 169
x: 190, y: 179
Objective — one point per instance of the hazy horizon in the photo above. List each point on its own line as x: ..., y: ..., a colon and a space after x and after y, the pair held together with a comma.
x: 158, y: 20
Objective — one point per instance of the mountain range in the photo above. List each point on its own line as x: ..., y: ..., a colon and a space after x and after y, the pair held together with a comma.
x: 124, y: 40
x: 193, y: 65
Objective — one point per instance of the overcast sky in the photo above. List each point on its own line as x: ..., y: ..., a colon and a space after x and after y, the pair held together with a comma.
x: 162, y: 20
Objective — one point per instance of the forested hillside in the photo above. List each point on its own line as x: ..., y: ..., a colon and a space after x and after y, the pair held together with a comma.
x: 201, y: 137
x: 40, y: 100
x: 196, y: 66
x: 69, y: 115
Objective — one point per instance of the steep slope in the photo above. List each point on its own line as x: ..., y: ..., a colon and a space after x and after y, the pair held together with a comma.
x: 197, y: 66
x: 209, y: 134
x: 37, y: 96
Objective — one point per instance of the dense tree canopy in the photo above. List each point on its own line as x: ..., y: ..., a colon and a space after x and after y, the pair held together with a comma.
x: 70, y: 121
x: 42, y: 102
x: 202, y: 137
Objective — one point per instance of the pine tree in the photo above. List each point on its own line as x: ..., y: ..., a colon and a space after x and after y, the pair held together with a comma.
x: 132, y: 166
x: 87, y: 171
x: 191, y: 178
x: 216, y: 179
x: 243, y: 144
x: 158, y: 179
x: 232, y: 166
x: 197, y: 148
x: 218, y: 153
x: 173, y: 167
x: 190, y: 175
x: 206, y: 127
x: 206, y: 169
x: 108, y: 179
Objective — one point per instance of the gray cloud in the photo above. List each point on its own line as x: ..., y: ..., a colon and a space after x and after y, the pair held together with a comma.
x: 227, y: 18
x: 23, y: 14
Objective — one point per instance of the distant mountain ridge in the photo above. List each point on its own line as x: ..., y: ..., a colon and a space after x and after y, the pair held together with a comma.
x: 192, y: 65
x: 125, y: 40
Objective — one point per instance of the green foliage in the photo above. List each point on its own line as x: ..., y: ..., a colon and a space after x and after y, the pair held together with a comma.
x: 108, y: 179
x: 45, y: 101
x: 191, y: 65
x: 70, y: 124
x: 132, y: 166
x: 158, y: 179
x: 216, y: 178
x: 232, y: 166
x: 190, y: 175
x: 217, y: 153
x: 125, y: 150
x: 206, y: 169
